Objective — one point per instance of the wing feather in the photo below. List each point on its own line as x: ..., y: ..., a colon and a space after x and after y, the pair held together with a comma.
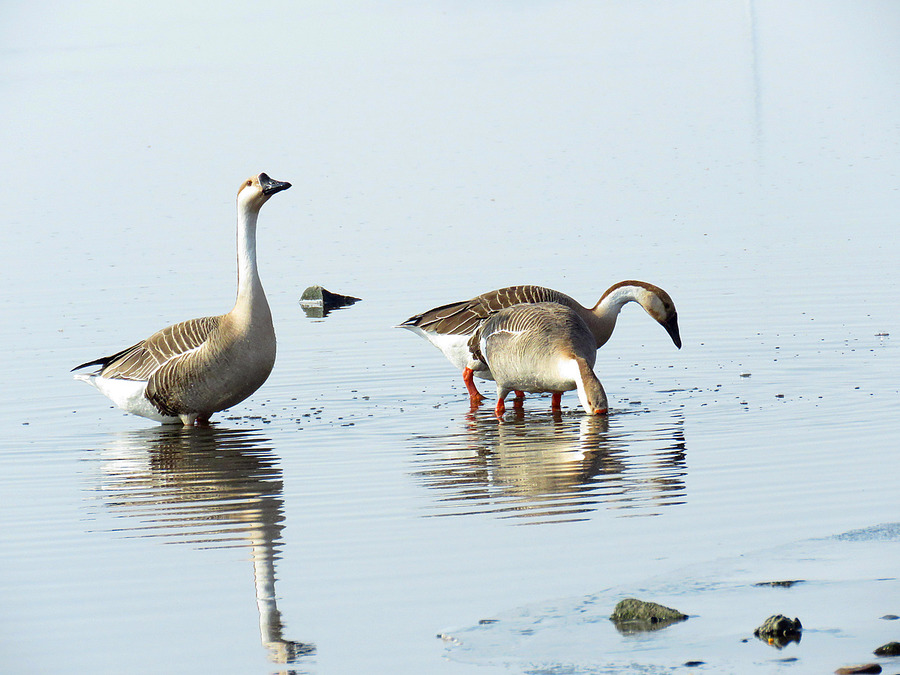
x: 141, y: 360
x: 464, y: 318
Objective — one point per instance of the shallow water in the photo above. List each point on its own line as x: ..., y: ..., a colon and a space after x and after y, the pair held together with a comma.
x: 742, y: 156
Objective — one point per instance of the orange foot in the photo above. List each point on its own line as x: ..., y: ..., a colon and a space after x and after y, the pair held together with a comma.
x: 475, y: 397
x: 500, y: 409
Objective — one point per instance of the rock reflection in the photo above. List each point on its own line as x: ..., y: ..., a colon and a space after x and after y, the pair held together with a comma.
x: 556, y: 468
x: 212, y: 488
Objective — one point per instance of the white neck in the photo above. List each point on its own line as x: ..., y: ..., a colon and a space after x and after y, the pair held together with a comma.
x: 602, y: 318
x: 577, y: 370
x: 582, y: 394
x: 250, y: 288
x: 570, y: 370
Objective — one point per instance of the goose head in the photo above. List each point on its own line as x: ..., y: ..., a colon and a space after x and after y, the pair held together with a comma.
x: 593, y: 398
x: 255, y: 191
x: 655, y: 301
x: 659, y: 305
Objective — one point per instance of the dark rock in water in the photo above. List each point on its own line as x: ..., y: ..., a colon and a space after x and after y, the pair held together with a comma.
x: 854, y: 670
x: 317, y: 301
x: 779, y: 631
x: 632, y: 616
x: 890, y: 649
x: 693, y: 664
x: 317, y: 294
x: 780, y: 584
x: 890, y: 617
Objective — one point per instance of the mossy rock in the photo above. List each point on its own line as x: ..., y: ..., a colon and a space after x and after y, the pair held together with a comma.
x: 632, y: 615
x: 890, y: 649
x: 779, y: 631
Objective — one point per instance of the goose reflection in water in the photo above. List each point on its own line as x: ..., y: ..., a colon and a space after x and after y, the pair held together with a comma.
x: 212, y: 488
x: 556, y: 470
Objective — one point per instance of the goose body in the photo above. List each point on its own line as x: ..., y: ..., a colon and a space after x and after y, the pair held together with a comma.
x: 450, y: 327
x: 190, y: 370
x: 541, y: 347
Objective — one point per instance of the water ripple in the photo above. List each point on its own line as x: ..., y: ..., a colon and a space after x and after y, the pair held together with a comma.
x: 551, y: 468
x: 210, y: 488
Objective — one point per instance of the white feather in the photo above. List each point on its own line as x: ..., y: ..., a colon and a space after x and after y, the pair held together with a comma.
x: 127, y: 395
x: 453, y: 346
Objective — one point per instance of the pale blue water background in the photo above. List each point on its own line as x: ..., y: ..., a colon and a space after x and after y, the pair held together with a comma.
x: 743, y: 156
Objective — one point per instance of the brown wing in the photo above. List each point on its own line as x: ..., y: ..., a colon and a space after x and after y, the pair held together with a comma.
x: 463, y: 318
x: 171, y: 380
x: 139, y: 361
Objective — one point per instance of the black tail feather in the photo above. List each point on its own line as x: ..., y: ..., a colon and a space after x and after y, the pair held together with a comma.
x: 98, y: 362
x: 103, y: 361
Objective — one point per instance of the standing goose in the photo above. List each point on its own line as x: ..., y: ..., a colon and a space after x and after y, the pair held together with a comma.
x: 541, y: 347
x: 193, y: 369
x: 450, y: 327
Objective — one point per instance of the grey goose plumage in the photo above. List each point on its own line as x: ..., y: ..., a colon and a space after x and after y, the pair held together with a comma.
x: 190, y: 370
x: 450, y: 327
x: 541, y: 347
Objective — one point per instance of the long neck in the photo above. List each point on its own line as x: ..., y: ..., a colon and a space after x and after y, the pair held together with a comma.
x: 250, y: 293
x: 602, y: 318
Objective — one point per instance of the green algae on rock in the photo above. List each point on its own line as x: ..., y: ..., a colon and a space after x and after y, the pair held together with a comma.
x: 633, y: 616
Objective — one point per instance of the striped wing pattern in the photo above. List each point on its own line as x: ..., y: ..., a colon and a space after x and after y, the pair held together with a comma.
x: 464, y: 318
x: 531, y: 320
x: 524, y: 319
x: 171, y: 380
x: 535, y: 328
x: 140, y: 361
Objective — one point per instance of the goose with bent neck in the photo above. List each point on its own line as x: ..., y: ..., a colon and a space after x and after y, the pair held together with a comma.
x: 601, y: 318
x: 190, y: 370
x: 541, y: 347
x: 451, y: 327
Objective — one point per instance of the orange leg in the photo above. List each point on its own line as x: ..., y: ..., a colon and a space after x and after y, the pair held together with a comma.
x: 501, y: 407
x: 556, y: 401
x: 519, y: 401
x: 469, y: 378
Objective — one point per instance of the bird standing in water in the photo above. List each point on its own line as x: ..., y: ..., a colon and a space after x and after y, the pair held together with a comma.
x: 541, y: 347
x: 190, y: 370
x: 450, y: 327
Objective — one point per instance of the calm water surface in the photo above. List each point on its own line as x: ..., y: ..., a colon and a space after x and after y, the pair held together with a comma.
x: 743, y: 156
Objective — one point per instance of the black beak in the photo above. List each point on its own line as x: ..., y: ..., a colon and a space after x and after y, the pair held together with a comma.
x: 270, y: 187
x: 671, y: 326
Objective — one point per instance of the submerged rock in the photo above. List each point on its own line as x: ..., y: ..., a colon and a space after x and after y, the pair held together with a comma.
x: 855, y: 670
x: 890, y: 649
x: 778, y: 630
x: 632, y: 616
x: 787, y: 583
x: 317, y: 301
